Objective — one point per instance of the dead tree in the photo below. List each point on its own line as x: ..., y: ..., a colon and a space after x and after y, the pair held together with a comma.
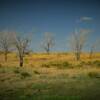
x: 21, y: 44
x: 48, y: 42
x: 77, y: 42
x: 5, y: 43
x: 93, y: 47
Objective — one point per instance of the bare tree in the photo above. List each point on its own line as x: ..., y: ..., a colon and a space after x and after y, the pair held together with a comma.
x: 48, y: 42
x: 77, y: 41
x: 21, y: 44
x: 93, y: 47
x: 5, y: 43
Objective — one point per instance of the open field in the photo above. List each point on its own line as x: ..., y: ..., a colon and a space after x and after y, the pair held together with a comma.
x: 50, y: 77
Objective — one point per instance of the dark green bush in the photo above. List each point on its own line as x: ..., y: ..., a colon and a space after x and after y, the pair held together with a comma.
x: 16, y: 71
x: 25, y: 74
x: 96, y: 62
x: 94, y: 75
x: 36, y: 72
x: 60, y: 64
x: 65, y: 64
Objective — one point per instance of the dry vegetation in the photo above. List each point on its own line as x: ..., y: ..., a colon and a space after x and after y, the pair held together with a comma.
x: 57, y: 76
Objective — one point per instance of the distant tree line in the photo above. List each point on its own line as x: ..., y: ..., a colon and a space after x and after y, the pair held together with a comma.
x: 13, y: 41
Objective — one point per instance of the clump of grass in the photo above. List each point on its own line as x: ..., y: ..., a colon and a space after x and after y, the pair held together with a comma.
x: 36, y: 72
x: 65, y: 64
x: 57, y: 64
x: 89, y: 63
x: 16, y: 71
x: 94, y: 75
x: 96, y: 62
x: 25, y: 74
x: 45, y: 65
x: 83, y: 64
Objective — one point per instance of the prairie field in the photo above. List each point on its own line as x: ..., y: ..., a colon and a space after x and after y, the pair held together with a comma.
x: 55, y: 76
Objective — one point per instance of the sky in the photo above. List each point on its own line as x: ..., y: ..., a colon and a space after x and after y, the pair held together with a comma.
x: 59, y: 17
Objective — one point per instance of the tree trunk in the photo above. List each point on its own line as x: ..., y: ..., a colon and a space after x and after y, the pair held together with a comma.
x: 48, y: 48
x: 91, y: 54
x: 6, y: 56
x: 21, y: 61
x: 77, y: 56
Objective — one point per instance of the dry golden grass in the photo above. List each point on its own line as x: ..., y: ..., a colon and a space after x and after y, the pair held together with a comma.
x: 39, y: 77
x: 36, y: 61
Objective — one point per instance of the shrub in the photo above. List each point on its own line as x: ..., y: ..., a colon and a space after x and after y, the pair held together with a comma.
x: 80, y: 64
x: 96, y: 62
x: 60, y: 64
x: 16, y: 71
x: 94, y: 75
x: 25, y: 74
x: 65, y: 64
x: 56, y: 64
x: 36, y: 72
x: 89, y: 63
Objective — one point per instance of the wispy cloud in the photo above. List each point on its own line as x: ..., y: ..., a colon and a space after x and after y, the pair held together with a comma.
x: 85, y: 18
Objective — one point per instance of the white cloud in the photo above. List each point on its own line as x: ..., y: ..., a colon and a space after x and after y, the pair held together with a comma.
x: 85, y: 18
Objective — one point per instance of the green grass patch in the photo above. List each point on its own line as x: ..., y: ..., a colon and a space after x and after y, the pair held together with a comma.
x: 25, y: 75
x: 62, y: 64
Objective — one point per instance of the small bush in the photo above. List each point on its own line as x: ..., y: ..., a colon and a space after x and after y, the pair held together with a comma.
x: 25, y: 74
x: 81, y: 64
x: 36, y: 72
x: 89, y: 63
x: 94, y: 75
x: 60, y: 64
x: 57, y: 64
x: 65, y: 64
x: 96, y: 62
x: 16, y: 71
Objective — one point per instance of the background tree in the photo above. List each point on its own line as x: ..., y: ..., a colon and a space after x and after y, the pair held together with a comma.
x: 5, y: 43
x: 93, y: 47
x: 48, y: 42
x: 22, y: 45
x: 78, y: 41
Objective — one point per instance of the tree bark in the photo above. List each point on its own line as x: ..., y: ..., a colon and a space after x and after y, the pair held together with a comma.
x: 21, y: 62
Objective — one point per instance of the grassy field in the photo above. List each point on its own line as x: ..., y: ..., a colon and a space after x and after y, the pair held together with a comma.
x: 50, y: 77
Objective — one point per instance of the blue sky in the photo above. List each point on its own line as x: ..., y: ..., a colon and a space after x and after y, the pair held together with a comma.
x: 60, y: 17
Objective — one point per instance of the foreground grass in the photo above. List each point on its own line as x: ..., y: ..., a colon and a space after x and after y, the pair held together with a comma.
x: 49, y: 83
x: 50, y: 77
